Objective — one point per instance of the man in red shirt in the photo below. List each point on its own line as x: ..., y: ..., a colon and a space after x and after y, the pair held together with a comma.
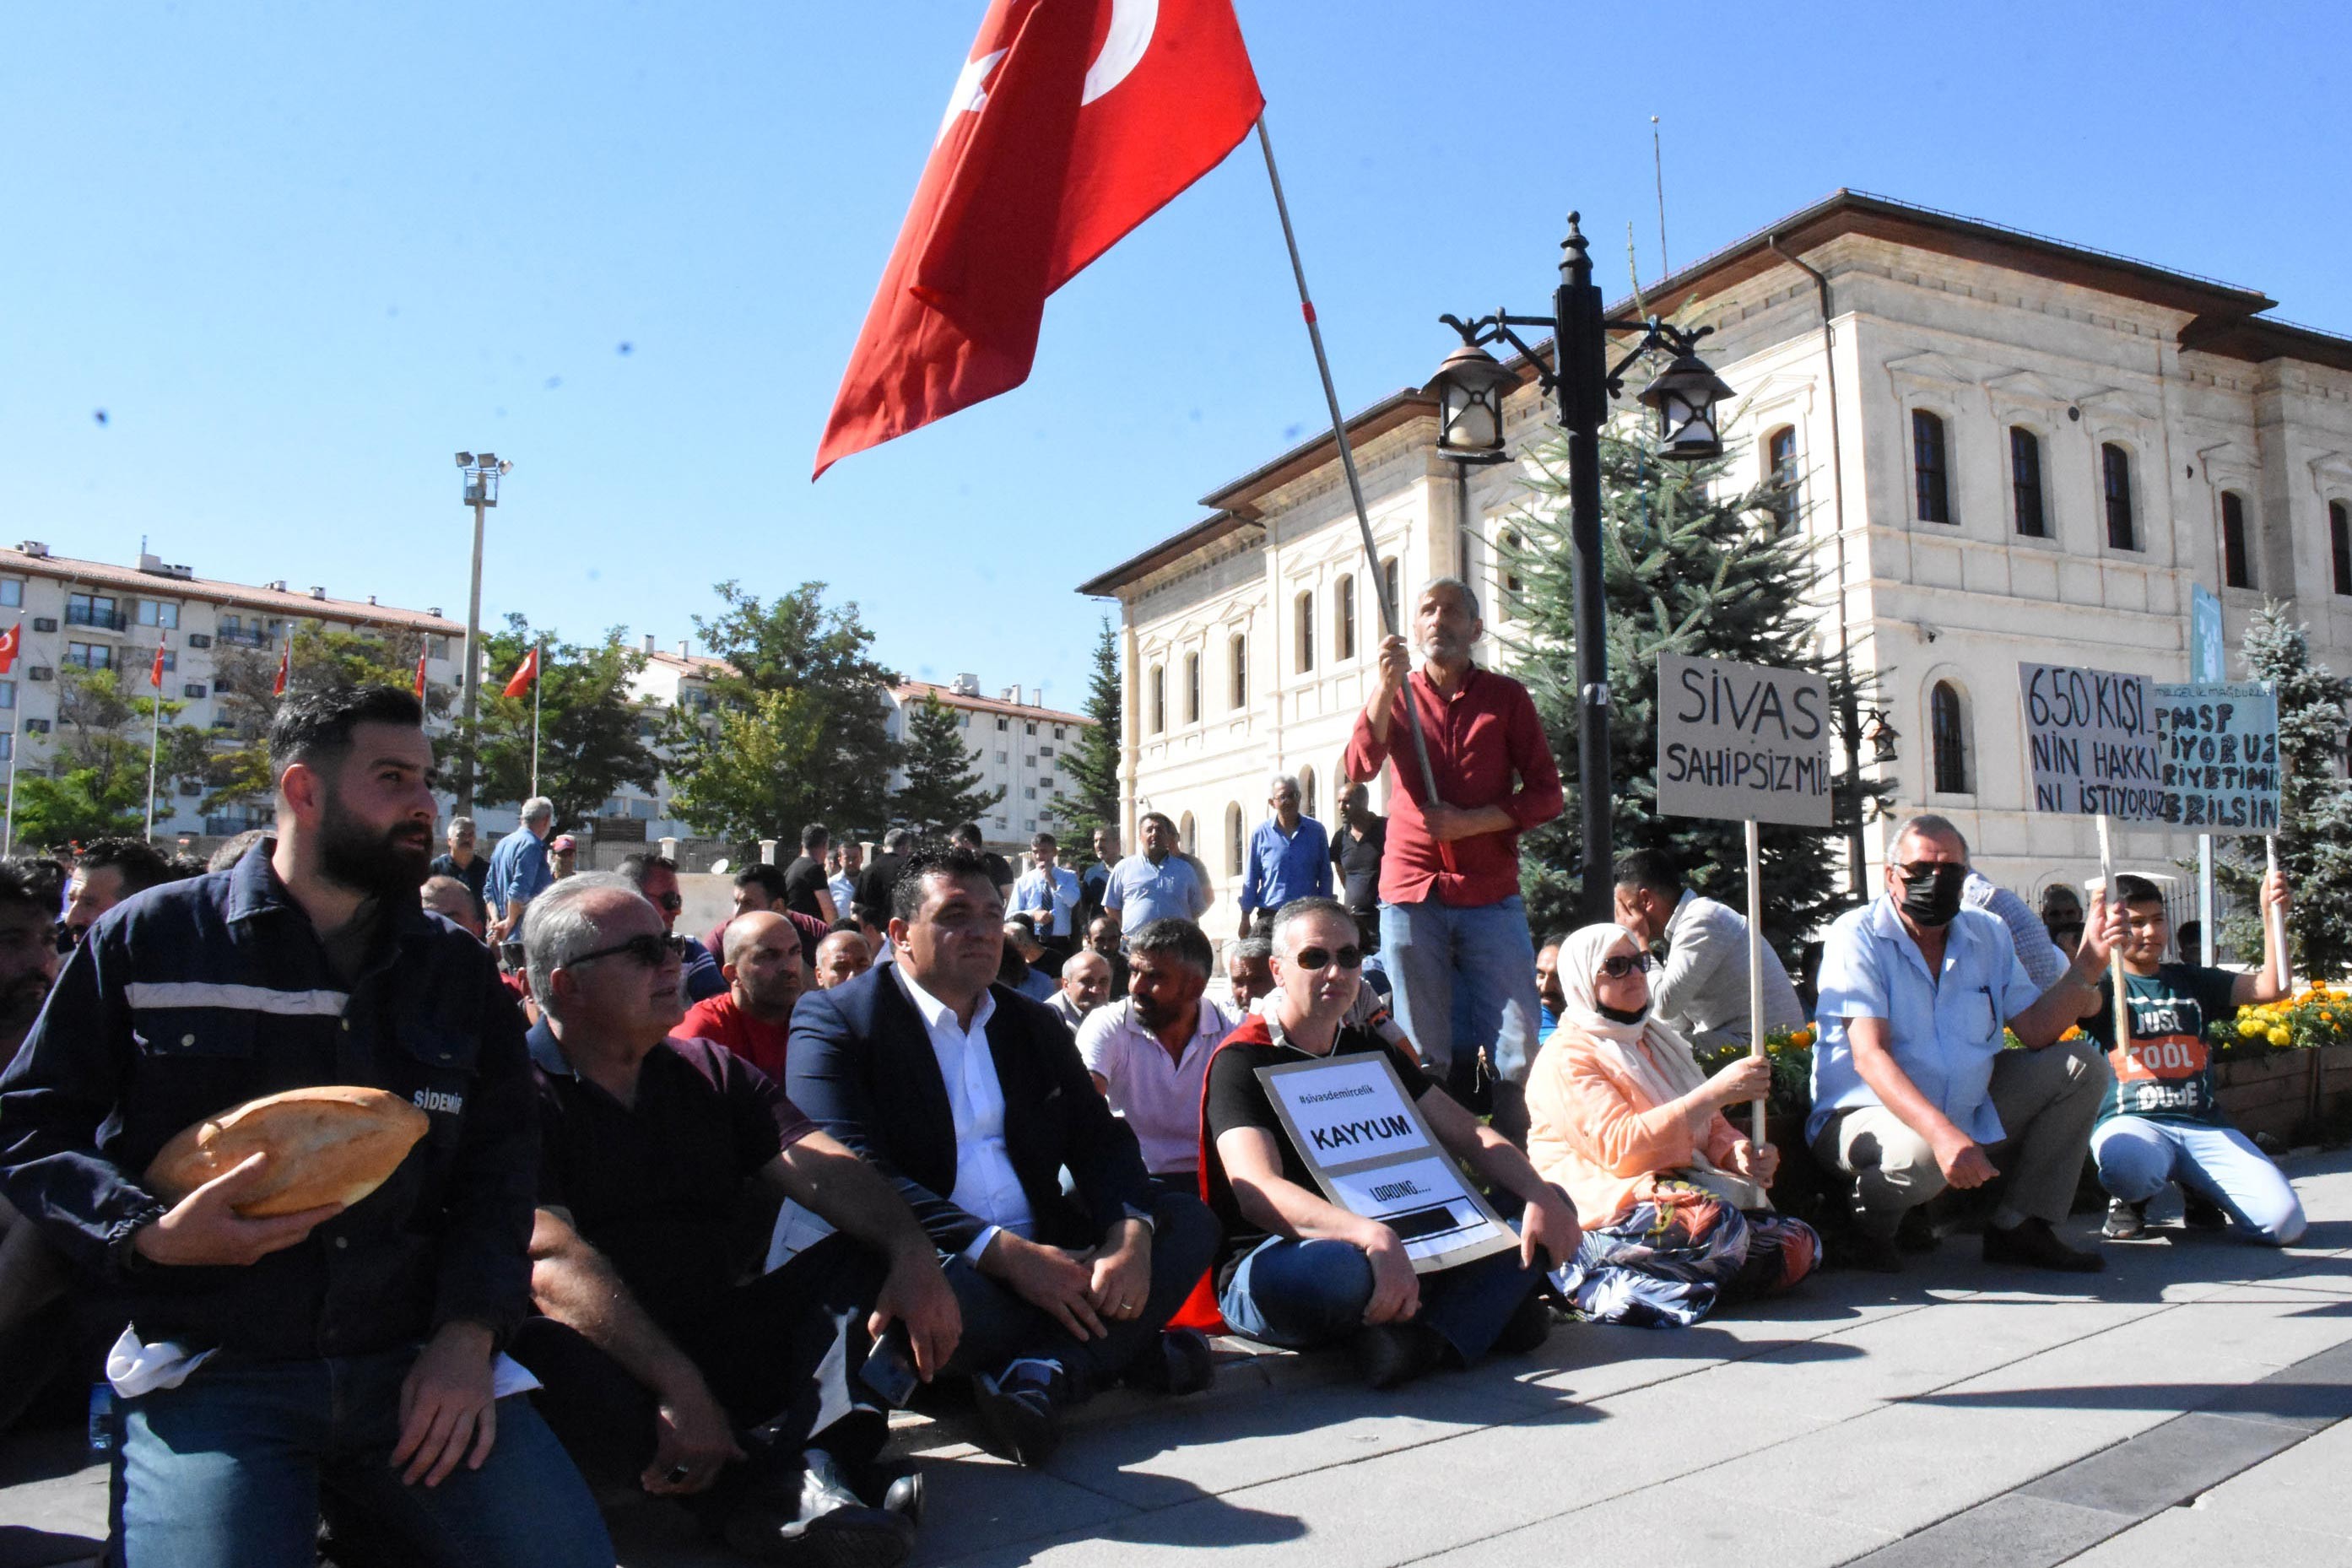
x: 764, y: 982
x: 1453, y: 933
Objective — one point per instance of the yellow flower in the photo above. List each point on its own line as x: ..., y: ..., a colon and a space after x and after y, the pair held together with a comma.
x: 2250, y: 1028
x: 2280, y: 1037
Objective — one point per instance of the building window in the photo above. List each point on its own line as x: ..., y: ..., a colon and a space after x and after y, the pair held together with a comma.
x: 963, y: 720
x: 170, y: 658
x: 2025, y: 482
x: 1005, y: 723
x: 1930, y: 467
x: 92, y: 610
x: 1240, y: 648
x: 1948, y: 738
x: 1343, y: 604
x: 1233, y: 840
x: 2237, y: 563
x: 1029, y: 729
x: 1305, y: 611
x: 7, y: 694
x: 1184, y: 834
x: 1506, y: 575
x: 2115, y: 474
x: 1307, y: 792
x: 1159, y: 699
x: 12, y: 593
x: 1392, y: 585
x: 91, y: 655
x: 1192, y: 689
x: 1780, y: 473
x: 2339, y: 541
x: 159, y: 613
x: 1044, y: 750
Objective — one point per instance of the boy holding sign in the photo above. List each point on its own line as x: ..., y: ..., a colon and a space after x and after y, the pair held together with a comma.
x: 2159, y: 1122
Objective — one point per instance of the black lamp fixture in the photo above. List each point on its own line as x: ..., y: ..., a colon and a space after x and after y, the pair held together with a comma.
x: 1881, y: 734
x: 1470, y: 388
x: 1685, y: 395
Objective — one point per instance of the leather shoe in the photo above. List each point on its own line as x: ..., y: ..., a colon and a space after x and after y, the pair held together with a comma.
x: 2032, y: 1243
x: 1530, y: 1326
x: 1018, y: 1416
x: 1389, y: 1354
x: 1182, y: 1363
x: 902, y: 1489
x: 2198, y: 1212
x: 1857, y: 1248
x: 1917, y: 1233
x: 826, y: 1526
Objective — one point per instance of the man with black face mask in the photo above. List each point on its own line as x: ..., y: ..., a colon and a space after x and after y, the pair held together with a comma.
x: 1912, y: 1090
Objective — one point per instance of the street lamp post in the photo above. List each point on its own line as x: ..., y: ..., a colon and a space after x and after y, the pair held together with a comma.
x: 482, y: 475
x: 1471, y: 387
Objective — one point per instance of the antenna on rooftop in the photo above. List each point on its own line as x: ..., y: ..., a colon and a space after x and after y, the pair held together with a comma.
x: 1658, y: 166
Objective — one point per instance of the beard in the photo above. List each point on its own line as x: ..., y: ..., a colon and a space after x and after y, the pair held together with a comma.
x: 380, y: 863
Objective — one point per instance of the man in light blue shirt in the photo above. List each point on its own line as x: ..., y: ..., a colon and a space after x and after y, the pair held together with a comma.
x: 519, y: 866
x: 2043, y: 963
x: 1049, y: 889
x: 1912, y: 1090
x: 1157, y: 884
x: 1289, y: 856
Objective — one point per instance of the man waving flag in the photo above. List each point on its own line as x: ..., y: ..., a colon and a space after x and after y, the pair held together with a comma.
x: 1072, y: 121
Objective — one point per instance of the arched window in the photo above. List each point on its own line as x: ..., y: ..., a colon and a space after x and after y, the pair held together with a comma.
x: 1780, y: 473
x: 1506, y: 576
x: 1930, y: 467
x: 1184, y: 834
x: 1159, y: 699
x: 2025, y: 482
x: 1343, y: 603
x: 2339, y: 543
x: 1305, y: 611
x: 2237, y: 560
x: 1192, y: 689
x: 1240, y: 650
x: 2114, y: 480
x: 1307, y: 792
x: 1392, y: 585
x: 1233, y: 846
x: 1948, y: 729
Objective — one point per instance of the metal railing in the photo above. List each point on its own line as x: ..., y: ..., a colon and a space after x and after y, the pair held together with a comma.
x: 92, y: 616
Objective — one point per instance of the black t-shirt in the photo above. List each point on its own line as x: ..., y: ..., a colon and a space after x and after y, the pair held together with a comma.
x: 653, y: 1185
x: 874, y: 884
x: 2166, y: 1072
x: 473, y: 874
x: 1235, y: 1098
x: 1000, y: 869
x: 1359, y: 861
x: 803, y: 880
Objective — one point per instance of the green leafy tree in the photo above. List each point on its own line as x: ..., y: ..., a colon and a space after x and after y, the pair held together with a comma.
x: 1689, y: 567
x: 1091, y: 761
x: 942, y: 787
x: 592, y: 732
x: 2315, y: 836
x: 237, y: 772
x: 749, y: 758
x: 794, y: 646
x: 94, y: 783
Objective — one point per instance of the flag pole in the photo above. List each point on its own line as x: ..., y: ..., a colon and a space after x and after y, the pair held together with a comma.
x: 154, y: 737
x: 538, y: 676
x: 8, y: 821
x: 1390, y: 612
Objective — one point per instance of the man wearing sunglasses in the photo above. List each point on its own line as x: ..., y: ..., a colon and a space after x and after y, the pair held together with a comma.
x: 656, y: 878
x: 1298, y: 1270
x: 1913, y: 1092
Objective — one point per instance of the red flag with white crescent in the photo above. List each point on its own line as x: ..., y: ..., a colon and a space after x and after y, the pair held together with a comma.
x: 420, y: 674
x: 524, y: 675
x: 10, y: 641
x: 285, y: 669
x: 1071, y: 122
x: 155, y: 671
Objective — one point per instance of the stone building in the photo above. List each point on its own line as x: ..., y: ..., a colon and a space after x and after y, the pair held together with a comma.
x: 2008, y: 448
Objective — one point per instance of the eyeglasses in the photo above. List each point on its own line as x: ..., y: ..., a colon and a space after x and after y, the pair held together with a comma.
x: 1618, y: 965
x: 649, y: 949
x: 1317, y: 957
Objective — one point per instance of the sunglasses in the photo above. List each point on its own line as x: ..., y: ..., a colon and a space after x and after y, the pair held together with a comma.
x: 1317, y: 957
x: 649, y: 949
x: 668, y: 903
x: 1618, y: 965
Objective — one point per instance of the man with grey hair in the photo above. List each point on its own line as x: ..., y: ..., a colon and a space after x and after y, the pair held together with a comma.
x: 519, y: 867
x: 1085, y: 986
x: 1249, y: 970
x: 461, y: 862
x: 742, y: 1399
x: 1289, y: 856
x: 1913, y: 1092
x: 1453, y: 933
x: 449, y: 898
x: 1148, y: 1053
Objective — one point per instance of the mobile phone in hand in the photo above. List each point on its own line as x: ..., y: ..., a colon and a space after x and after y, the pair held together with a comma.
x: 890, y: 1369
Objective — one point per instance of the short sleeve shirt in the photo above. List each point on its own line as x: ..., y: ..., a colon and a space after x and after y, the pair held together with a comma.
x: 803, y: 880
x: 1141, y: 892
x: 2166, y: 1070
x: 1158, y: 1095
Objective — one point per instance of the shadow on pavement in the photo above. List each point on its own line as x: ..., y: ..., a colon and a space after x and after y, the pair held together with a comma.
x: 24, y: 1547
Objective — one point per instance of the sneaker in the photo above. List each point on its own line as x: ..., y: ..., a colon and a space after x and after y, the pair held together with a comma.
x: 2198, y: 1212
x: 1018, y: 1412
x: 1387, y: 1354
x: 2031, y: 1242
x: 2126, y: 1221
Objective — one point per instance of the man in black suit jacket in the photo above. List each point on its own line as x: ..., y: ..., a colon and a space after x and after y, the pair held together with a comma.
x: 973, y: 1100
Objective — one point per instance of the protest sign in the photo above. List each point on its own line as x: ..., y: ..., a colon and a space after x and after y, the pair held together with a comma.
x: 2091, y: 738
x: 1743, y: 742
x: 2218, y: 744
x: 1373, y: 1155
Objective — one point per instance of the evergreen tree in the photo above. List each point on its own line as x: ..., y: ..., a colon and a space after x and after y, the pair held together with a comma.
x: 2315, y: 836
x: 942, y: 787
x: 1691, y: 568
x: 592, y: 734
x: 1091, y: 762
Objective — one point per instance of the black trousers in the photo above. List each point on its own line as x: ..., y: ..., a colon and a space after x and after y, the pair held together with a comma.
x: 781, y: 1354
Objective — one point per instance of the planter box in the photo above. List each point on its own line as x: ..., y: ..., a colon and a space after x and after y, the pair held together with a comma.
x: 2272, y: 1093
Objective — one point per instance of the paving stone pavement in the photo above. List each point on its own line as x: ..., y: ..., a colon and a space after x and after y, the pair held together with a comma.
x: 2186, y: 1404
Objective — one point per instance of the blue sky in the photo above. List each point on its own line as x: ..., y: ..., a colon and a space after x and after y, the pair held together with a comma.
x: 300, y: 254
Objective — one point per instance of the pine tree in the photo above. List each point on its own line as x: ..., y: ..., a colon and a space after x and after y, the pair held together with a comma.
x: 2315, y: 836
x: 942, y: 787
x: 1692, y: 568
x: 1092, y: 762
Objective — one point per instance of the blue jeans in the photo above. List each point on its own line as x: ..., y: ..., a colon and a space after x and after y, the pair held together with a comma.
x: 1301, y: 1294
x: 2137, y: 1154
x: 1475, y: 964
x: 230, y: 1468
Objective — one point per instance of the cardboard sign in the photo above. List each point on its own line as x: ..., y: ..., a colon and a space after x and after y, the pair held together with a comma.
x: 2219, y: 745
x: 1372, y: 1154
x: 1743, y: 742
x: 2090, y: 735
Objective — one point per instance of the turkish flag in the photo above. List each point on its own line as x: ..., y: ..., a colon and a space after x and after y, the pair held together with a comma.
x: 1072, y: 123
x: 524, y: 676
x: 420, y: 674
x: 10, y: 641
x: 156, y: 673
x: 285, y: 668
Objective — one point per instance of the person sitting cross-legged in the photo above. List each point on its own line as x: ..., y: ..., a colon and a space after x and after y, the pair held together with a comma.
x: 660, y: 1368
x: 2161, y: 1121
x: 1671, y: 1198
x: 973, y: 1100
x: 1297, y: 1270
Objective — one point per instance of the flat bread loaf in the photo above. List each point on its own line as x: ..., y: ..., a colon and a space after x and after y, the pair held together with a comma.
x: 333, y: 1144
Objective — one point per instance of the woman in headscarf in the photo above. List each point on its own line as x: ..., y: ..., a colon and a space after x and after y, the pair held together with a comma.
x: 1671, y: 1197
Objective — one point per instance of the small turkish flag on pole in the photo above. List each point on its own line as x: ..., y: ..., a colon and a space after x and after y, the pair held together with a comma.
x: 10, y: 641
x: 1071, y: 123
x: 155, y: 671
x: 420, y: 673
x: 523, y: 677
x: 285, y: 669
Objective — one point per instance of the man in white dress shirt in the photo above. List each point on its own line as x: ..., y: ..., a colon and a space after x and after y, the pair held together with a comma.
x: 1703, y: 993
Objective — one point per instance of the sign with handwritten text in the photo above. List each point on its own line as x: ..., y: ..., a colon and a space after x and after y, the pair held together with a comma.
x: 2090, y: 737
x: 2217, y: 742
x: 1737, y: 741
